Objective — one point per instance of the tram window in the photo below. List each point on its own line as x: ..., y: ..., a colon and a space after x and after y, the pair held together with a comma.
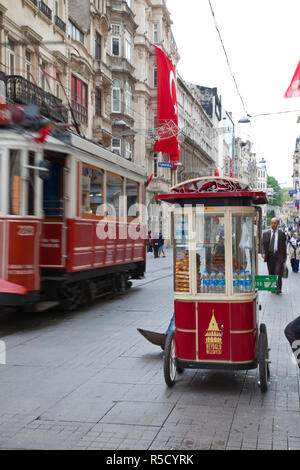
x: 210, y: 253
x: 31, y: 184
x: 92, y: 189
x: 242, y: 248
x: 14, y: 182
x: 132, y: 194
x: 114, y: 191
x: 181, y: 253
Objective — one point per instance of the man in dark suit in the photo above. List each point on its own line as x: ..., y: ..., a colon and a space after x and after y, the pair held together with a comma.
x: 274, y: 251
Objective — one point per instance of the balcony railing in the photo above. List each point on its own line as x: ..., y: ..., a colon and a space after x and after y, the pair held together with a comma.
x: 45, y: 9
x: 80, y: 112
x: 35, y: 2
x: 22, y: 91
x: 59, y: 23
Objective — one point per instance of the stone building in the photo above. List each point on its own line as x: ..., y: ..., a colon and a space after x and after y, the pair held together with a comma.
x: 197, y: 153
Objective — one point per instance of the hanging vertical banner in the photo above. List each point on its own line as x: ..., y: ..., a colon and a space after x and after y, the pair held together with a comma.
x: 231, y: 173
x: 167, y: 110
x: 294, y: 89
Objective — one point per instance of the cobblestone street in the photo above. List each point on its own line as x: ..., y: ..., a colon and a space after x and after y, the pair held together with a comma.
x: 89, y: 380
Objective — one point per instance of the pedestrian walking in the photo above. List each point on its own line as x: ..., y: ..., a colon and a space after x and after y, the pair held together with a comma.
x: 155, y: 245
x: 274, y: 251
x: 292, y: 333
x: 161, y: 245
x: 293, y: 249
x: 149, y: 242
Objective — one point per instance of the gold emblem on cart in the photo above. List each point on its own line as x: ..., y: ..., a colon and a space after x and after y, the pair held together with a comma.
x: 213, y: 337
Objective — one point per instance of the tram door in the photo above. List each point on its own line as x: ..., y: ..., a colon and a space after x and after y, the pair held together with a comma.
x: 53, y: 234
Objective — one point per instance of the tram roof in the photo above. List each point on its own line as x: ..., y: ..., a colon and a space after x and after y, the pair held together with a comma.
x: 213, y: 187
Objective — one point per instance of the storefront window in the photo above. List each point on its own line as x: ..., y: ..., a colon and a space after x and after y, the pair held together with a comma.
x: 210, y: 254
x: 243, y: 253
x: 92, y: 190
x: 181, y: 264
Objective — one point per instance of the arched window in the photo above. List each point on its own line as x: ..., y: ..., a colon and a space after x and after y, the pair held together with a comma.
x: 116, y: 96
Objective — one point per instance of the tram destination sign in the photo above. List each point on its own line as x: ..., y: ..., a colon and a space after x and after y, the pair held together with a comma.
x: 165, y: 164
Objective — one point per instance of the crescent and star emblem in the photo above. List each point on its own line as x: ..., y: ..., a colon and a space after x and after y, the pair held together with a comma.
x: 173, y: 80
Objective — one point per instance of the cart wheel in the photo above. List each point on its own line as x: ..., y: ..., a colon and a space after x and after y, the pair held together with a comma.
x: 263, y: 359
x: 170, y: 359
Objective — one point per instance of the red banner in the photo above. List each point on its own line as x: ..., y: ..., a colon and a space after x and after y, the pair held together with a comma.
x: 294, y: 89
x: 167, y: 110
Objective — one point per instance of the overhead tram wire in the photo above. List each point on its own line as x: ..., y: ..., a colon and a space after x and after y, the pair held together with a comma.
x: 226, y: 55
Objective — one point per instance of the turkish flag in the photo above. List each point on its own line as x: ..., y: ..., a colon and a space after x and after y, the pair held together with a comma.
x: 294, y: 89
x: 167, y: 110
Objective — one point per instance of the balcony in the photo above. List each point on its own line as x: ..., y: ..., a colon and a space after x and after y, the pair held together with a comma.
x: 22, y: 91
x: 45, y: 9
x: 59, y: 23
x: 35, y: 2
x: 80, y: 112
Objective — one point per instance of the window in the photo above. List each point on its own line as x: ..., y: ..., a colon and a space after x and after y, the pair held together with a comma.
x: 210, y: 254
x: 116, y: 97
x: 128, y: 3
x: 91, y: 189
x: 28, y: 65
x: 57, y: 84
x: 155, y: 33
x: 79, y: 99
x: 116, y: 40
x: 1, y: 185
x: 128, y: 46
x: 132, y: 194
x: 11, y: 57
x: 155, y: 165
x: 31, y: 184
x: 116, y: 146
x: 128, y: 99
x: 115, y: 46
x: 75, y: 33
x: 14, y: 182
x: 155, y: 77
x: 98, y: 102
x: 243, y: 252
x: 128, y: 148
x: 114, y: 191
x: 97, y: 46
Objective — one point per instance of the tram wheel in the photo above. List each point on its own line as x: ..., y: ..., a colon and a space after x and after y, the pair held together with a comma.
x: 263, y: 359
x: 170, y: 359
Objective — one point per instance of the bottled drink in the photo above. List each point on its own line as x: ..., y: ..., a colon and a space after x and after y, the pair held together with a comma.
x: 205, y: 282
x: 248, y: 280
x: 220, y: 282
x: 213, y: 282
x: 236, y: 284
x: 242, y: 281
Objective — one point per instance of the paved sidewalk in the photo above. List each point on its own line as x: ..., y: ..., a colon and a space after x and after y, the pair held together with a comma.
x: 88, y: 380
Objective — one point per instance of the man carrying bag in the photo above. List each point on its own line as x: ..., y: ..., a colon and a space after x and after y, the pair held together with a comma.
x: 274, y: 251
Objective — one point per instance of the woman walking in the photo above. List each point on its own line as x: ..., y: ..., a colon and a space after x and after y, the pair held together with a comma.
x: 294, y: 252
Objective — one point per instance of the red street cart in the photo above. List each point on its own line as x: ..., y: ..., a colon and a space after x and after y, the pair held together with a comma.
x: 216, y: 231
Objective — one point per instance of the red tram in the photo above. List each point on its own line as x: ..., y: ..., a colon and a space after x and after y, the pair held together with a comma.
x: 216, y: 240
x: 72, y: 226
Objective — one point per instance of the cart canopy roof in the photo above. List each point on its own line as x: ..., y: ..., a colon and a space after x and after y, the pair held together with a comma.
x: 213, y: 187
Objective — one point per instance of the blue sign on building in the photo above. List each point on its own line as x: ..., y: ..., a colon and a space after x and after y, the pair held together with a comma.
x: 165, y: 164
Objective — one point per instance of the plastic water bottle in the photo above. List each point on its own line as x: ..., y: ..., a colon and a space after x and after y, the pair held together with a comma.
x: 236, y: 284
x: 213, y: 282
x: 220, y: 282
x: 205, y: 282
x: 248, y: 280
x: 242, y: 281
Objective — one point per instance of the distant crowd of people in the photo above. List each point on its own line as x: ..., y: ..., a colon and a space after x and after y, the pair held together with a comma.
x: 156, y: 245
